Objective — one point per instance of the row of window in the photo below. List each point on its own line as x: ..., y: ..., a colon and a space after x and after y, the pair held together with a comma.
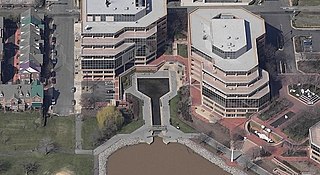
x: 231, y: 84
x: 236, y: 95
x: 207, y: 57
x: 115, y: 17
x: 235, y: 103
x: 314, y: 147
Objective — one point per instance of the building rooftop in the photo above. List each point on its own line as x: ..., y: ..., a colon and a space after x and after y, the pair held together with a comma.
x: 314, y: 134
x: 30, y: 52
x: 197, y: 3
x: 224, y: 36
x: 151, y: 12
x: 230, y: 30
x: 115, y: 7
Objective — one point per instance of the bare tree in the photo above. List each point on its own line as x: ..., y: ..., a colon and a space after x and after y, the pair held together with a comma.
x: 46, y: 145
x: 292, y: 149
x: 4, y: 166
x: 30, y: 167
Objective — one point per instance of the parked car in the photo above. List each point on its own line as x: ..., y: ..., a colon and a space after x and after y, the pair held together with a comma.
x: 53, y: 47
x: 53, y: 40
x: 73, y: 89
x: 54, y: 52
x: 54, y: 60
x: 110, y: 91
x: 53, y: 81
x: 53, y: 101
x: 73, y: 102
x: 53, y: 74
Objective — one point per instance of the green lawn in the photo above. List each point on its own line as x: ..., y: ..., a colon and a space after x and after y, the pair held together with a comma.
x: 175, y: 120
x: 132, y: 126
x: 51, y: 163
x: 275, y: 108
x: 299, y: 129
x: 305, y: 20
x: 309, y: 66
x: 309, y: 2
x: 21, y: 131
x: 182, y: 50
x: 89, y: 127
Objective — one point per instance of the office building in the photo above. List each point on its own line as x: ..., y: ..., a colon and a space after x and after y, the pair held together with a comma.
x: 225, y: 46
x: 119, y: 34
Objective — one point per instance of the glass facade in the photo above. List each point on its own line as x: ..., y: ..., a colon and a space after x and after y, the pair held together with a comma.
x: 235, y: 103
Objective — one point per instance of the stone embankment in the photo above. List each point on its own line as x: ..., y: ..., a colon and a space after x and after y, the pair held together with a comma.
x: 103, y: 157
x: 210, y: 156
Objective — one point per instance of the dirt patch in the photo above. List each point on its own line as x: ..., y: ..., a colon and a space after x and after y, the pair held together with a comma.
x: 65, y: 172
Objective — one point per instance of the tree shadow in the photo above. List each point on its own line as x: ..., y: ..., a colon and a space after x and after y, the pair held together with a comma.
x: 11, y: 28
x: 10, y: 49
x: 8, y: 72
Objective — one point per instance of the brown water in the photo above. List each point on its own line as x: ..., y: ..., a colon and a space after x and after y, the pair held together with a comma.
x: 160, y: 159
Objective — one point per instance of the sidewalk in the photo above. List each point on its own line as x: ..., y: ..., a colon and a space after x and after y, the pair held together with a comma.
x: 77, y: 62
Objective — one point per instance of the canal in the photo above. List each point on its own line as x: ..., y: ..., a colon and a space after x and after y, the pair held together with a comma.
x: 160, y: 159
x: 154, y: 88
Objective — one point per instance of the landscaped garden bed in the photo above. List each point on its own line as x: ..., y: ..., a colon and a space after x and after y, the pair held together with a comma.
x: 263, y: 132
x: 299, y: 129
x: 309, y: 66
x: 275, y: 107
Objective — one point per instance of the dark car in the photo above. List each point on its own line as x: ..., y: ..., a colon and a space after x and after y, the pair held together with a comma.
x: 53, y: 101
x: 54, y: 60
x: 110, y: 91
x: 73, y: 102
x: 53, y: 40
x: 73, y: 89
x: 53, y: 74
x: 53, y: 47
x: 54, y: 52
x: 53, y: 81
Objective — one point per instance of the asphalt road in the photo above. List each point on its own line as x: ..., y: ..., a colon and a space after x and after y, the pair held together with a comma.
x: 65, y: 65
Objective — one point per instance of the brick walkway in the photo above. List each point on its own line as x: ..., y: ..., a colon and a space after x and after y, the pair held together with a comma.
x: 177, y: 58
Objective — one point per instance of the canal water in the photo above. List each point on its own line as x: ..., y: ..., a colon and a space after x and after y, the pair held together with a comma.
x: 154, y: 88
x: 160, y: 159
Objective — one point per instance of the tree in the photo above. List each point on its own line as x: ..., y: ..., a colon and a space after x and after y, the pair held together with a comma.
x: 292, y: 149
x: 39, y: 3
x: 108, y: 116
x: 88, y: 101
x: 184, y: 103
x: 46, y: 145
x: 30, y: 167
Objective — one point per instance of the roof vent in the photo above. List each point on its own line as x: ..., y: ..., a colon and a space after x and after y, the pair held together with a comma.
x: 229, y: 37
x: 205, y: 37
x: 115, y: 8
x: 127, y: 8
x: 237, y: 38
